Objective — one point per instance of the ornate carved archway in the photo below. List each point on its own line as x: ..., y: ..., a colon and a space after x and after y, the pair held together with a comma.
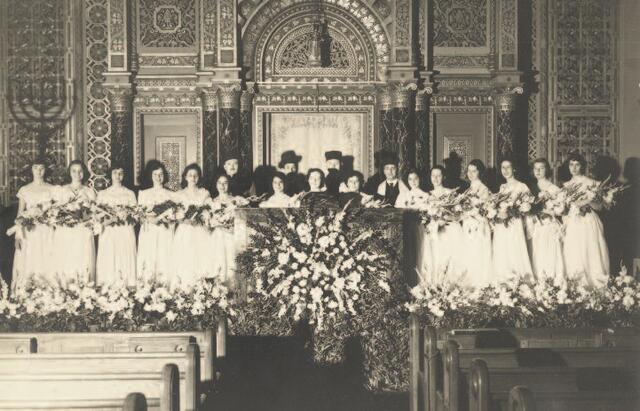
x: 359, y: 51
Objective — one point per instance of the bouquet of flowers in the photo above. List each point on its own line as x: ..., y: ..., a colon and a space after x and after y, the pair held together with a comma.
x: 437, y: 212
x: 165, y: 213
x: 508, y: 208
x: 549, y: 207
x: 313, y: 267
x: 105, y: 215
x: 74, y: 212
x: 220, y: 216
x: 32, y: 216
x: 580, y: 199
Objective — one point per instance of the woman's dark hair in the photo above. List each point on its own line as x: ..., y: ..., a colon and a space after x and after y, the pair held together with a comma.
x: 39, y: 161
x: 579, y: 158
x: 192, y: 166
x: 316, y: 170
x: 479, y: 165
x: 356, y: 174
x: 153, y: 165
x: 410, y: 171
x: 85, y: 171
x: 281, y: 176
x: 513, y: 166
x: 548, y: 171
x: 444, y: 175
x: 214, y: 187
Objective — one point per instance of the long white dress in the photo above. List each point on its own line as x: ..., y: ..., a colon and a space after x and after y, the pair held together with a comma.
x: 222, y: 244
x: 74, y: 247
x: 411, y: 198
x: 546, y: 241
x: 154, y: 240
x: 116, y: 260
x: 444, y: 257
x: 190, y: 253
x: 510, y: 255
x: 277, y: 200
x: 476, y: 241
x: 585, y: 251
x: 33, y: 257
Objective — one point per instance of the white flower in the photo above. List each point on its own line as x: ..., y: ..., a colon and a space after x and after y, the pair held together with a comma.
x: 283, y: 258
x: 171, y: 316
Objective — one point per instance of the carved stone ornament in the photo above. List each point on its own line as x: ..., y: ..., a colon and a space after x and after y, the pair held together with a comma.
x: 246, y: 99
x: 120, y: 99
x: 506, y: 100
x: 384, y: 97
x: 421, y: 98
x: 210, y: 100
x: 401, y: 94
x: 230, y: 96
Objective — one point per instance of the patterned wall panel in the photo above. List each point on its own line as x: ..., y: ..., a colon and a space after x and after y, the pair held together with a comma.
x: 460, y: 23
x: 34, y: 61
x: 98, y: 111
x: 171, y: 150
x: 508, y: 34
x: 208, y: 32
x: 462, y: 145
x: 167, y: 23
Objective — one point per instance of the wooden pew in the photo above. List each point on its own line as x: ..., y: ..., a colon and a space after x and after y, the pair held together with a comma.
x: 211, y: 344
x: 426, y: 344
x: 93, y: 381
x: 521, y: 398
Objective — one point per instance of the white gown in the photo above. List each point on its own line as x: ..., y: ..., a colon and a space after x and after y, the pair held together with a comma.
x: 279, y: 200
x: 510, y: 255
x: 411, y: 198
x: 444, y: 255
x: 222, y: 245
x: 190, y: 254
x: 476, y: 242
x: 33, y: 258
x: 585, y: 251
x: 74, y: 253
x: 546, y: 242
x: 154, y: 240
x: 116, y: 260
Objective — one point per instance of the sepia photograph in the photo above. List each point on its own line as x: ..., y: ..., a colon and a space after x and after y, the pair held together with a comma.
x: 320, y: 205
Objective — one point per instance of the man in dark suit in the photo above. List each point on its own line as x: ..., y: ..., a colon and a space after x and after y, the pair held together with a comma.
x: 333, y: 162
x: 294, y: 182
x: 392, y: 186
x: 239, y: 180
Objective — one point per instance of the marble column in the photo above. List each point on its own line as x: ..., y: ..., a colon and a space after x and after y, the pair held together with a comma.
x: 505, y: 103
x: 246, y: 134
x: 403, y: 138
x: 229, y: 118
x: 210, y: 133
x: 122, y: 132
x: 385, y: 115
x: 423, y: 150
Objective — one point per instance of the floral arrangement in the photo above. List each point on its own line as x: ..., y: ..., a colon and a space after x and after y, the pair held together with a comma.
x: 41, y: 306
x: 437, y: 212
x: 165, y: 213
x: 526, y: 303
x: 33, y: 216
x: 580, y: 199
x: 72, y: 213
x: 550, y: 206
x: 504, y: 207
x: 314, y: 267
x: 106, y: 215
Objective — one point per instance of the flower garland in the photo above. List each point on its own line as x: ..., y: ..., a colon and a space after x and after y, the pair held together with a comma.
x: 526, y: 303
x: 437, y: 212
x: 313, y: 266
x: 508, y: 207
x: 41, y: 306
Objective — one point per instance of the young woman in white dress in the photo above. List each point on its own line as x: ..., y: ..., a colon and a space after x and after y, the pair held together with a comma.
x: 278, y: 198
x: 585, y: 251
x: 222, y: 240
x: 414, y: 196
x: 445, y: 257
x: 116, y: 262
x: 74, y: 247
x: 476, y: 231
x: 190, y: 254
x: 510, y: 255
x: 154, y: 240
x: 350, y: 192
x: 546, y: 233
x: 32, y: 257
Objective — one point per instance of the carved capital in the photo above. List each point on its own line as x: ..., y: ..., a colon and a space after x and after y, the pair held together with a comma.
x: 422, y: 97
x: 384, y: 98
x: 505, y: 100
x: 120, y: 99
x: 401, y: 94
x: 210, y: 100
x: 230, y: 96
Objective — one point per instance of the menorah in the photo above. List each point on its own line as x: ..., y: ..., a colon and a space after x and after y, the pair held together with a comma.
x: 42, y: 106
